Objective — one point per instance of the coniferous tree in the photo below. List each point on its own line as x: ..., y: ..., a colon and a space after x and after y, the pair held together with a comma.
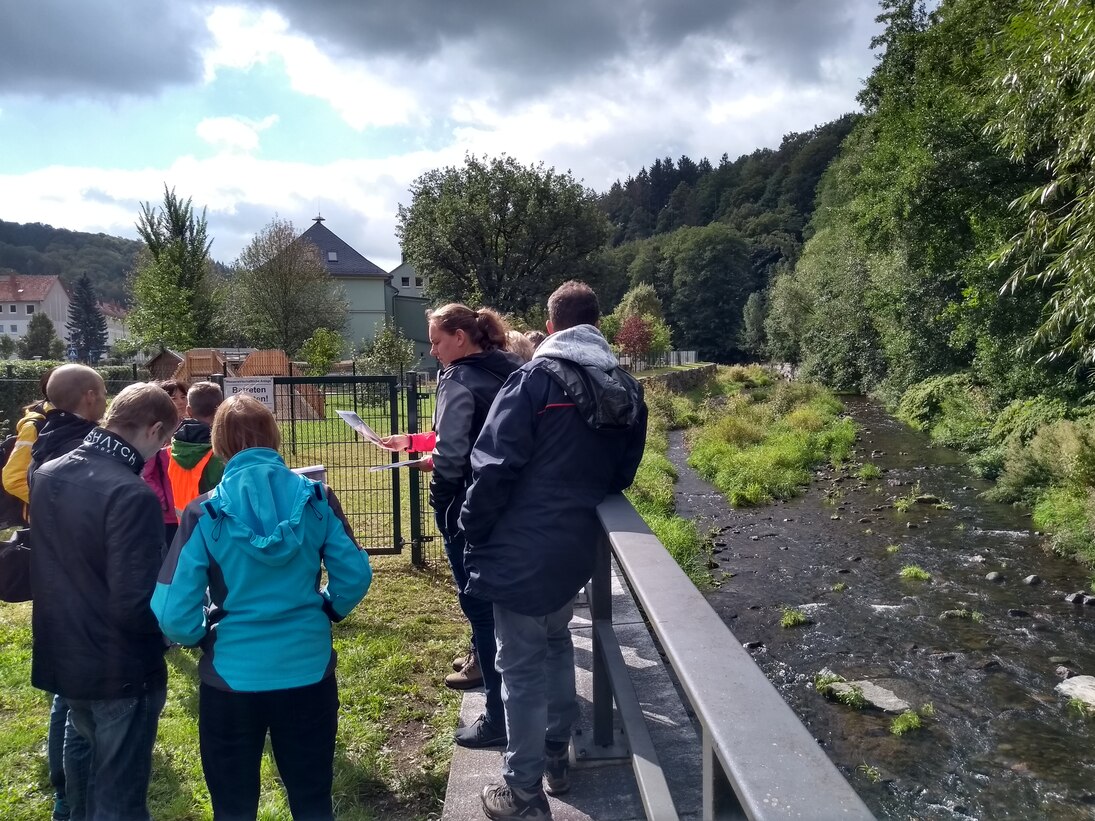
x: 86, y: 325
x: 41, y: 340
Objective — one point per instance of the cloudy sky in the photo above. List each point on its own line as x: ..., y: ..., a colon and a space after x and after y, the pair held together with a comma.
x: 288, y: 107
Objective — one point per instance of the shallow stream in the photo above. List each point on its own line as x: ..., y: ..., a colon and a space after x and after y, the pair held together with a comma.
x: 1002, y: 744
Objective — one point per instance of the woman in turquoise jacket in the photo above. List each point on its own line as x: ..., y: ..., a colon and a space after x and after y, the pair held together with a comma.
x: 257, y: 543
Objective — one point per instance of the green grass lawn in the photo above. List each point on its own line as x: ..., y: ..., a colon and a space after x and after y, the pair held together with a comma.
x: 395, y: 727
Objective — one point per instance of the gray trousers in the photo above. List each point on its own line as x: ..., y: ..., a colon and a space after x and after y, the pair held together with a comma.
x: 536, y: 660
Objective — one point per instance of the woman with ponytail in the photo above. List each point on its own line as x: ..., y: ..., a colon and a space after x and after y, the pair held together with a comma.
x: 471, y: 347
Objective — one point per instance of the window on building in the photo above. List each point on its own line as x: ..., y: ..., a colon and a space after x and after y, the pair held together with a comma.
x: 332, y: 256
x: 406, y: 282
x: 30, y: 309
x: 14, y: 329
x: 12, y: 309
x: 418, y: 282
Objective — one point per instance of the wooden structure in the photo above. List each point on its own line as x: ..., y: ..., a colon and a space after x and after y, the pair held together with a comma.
x: 308, y: 401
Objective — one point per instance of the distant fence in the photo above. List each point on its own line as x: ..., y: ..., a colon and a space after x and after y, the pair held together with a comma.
x: 668, y: 359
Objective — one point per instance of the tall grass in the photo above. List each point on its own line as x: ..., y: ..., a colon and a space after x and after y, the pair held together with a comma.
x: 758, y: 448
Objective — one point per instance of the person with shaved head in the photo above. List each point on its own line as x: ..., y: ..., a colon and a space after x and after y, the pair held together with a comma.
x: 75, y: 401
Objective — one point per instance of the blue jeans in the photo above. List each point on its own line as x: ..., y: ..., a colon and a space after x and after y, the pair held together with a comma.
x: 536, y: 660
x: 64, y: 742
x: 480, y: 615
x: 121, y: 733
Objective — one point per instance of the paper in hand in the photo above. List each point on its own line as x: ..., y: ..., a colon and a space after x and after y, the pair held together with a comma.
x: 408, y: 463
x: 358, y: 424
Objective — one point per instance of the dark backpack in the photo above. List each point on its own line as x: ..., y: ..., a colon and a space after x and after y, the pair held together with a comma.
x: 12, y: 512
x: 15, y: 567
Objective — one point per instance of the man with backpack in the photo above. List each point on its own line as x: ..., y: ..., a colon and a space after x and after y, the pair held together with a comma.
x: 565, y: 430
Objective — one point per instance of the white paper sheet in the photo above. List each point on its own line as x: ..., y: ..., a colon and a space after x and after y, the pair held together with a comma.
x: 358, y: 424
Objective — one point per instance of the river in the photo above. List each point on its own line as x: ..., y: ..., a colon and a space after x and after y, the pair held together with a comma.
x: 1002, y: 744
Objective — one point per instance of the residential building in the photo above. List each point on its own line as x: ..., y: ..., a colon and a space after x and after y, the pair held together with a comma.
x: 115, y: 316
x: 21, y: 297
x: 407, y: 281
x: 366, y: 285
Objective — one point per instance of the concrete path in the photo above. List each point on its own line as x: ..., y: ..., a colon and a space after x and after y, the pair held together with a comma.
x: 600, y: 790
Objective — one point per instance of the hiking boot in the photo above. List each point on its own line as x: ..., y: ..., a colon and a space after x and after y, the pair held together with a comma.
x: 468, y: 678
x: 502, y: 802
x: 556, y: 767
x: 460, y: 662
x: 481, y: 733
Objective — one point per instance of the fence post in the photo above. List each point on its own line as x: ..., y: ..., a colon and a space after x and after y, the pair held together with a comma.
x: 600, y: 609
x: 414, y: 476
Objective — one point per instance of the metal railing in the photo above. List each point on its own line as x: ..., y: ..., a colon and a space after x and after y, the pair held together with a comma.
x: 759, y: 761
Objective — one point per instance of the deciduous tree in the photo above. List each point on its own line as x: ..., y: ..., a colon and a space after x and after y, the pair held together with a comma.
x: 282, y: 289
x: 499, y: 233
x: 178, y: 241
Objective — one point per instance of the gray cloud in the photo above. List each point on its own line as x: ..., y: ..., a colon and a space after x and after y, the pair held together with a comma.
x: 58, y: 47
x: 523, y: 46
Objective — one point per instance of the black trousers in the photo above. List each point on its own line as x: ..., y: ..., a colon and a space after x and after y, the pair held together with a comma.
x: 302, y: 723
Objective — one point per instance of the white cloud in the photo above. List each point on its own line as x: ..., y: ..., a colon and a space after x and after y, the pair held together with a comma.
x: 234, y: 132
x: 364, y: 93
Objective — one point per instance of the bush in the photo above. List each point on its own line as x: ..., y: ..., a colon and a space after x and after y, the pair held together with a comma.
x: 950, y: 408
x: 1061, y: 454
x: 1067, y: 513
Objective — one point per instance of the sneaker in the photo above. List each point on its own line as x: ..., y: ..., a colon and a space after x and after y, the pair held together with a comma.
x: 481, y: 733
x: 460, y: 662
x: 60, y: 810
x: 502, y: 802
x: 468, y: 678
x: 556, y: 767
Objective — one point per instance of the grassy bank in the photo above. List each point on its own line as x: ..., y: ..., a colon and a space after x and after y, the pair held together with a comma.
x: 1040, y: 451
x: 760, y: 444
x: 396, y: 719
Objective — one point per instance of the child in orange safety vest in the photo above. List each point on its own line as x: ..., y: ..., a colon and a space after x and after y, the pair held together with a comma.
x: 193, y: 469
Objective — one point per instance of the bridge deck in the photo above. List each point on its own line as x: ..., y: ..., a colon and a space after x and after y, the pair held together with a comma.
x: 600, y: 790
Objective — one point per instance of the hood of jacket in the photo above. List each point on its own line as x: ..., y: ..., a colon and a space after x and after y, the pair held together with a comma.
x: 62, y: 432
x: 580, y: 361
x: 583, y: 345
x: 190, y: 443
x: 261, y: 505
x: 497, y: 363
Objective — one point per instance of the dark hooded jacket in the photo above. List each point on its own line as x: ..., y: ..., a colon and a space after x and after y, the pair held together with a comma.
x: 95, y: 636
x: 62, y: 433
x: 567, y: 429
x: 465, y: 391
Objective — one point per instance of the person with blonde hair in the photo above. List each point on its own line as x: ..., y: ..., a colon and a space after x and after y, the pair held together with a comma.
x: 98, y: 539
x: 258, y: 542
x: 518, y: 343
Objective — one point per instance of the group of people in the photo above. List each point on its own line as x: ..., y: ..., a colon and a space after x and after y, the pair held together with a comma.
x: 173, y: 520
x: 522, y: 454
x: 240, y: 578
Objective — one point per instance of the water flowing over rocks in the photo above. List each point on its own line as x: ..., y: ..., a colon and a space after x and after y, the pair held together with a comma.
x: 998, y: 741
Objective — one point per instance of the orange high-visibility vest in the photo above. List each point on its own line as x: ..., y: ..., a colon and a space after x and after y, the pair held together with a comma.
x: 185, y: 483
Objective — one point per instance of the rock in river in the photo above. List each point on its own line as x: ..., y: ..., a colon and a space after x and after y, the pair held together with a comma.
x: 1081, y: 687
x: 878, y: 697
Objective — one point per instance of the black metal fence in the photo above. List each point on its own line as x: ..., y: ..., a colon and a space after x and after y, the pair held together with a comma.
x: 388, y: 509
